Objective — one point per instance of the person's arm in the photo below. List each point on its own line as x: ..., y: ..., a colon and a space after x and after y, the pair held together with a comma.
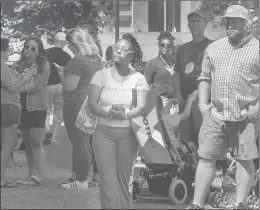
x: 94, y: 92
x: 177, y: 76
x: 142, y: 88
x: 205, y: 79
x: 205, y: 83
x: 19, y: 85
x: 39, y: 81
x: 149, y: 70
x: 70, y: 79
x: 7, y: 82
x: 138, y: 110
x: 142, y: 92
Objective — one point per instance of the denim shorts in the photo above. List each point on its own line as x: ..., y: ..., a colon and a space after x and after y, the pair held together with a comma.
x: 10, y: 115
x: 217, y: 136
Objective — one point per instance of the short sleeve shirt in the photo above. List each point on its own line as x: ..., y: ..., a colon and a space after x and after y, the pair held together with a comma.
x: 161, y: 78
x: 234, y: 75
x: 188, y: 63
x: 59, y: 56
x: 114, y: 92
x: 7, y: 79
x: 84, y: 67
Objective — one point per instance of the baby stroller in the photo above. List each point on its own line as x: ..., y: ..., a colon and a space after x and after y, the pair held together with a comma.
x: 223, y: 193
x: 169, y: 164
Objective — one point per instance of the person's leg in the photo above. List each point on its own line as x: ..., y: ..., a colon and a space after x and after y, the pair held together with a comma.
x: 50, y: 98
x: 69, y: 112
x: 95, y: 170
x: 95, y: 178
x: 104, y: 148
x: 213, y: 145
x: 29, y: 155
x: 36, y: 139
x: 126, y: 150
x: 24, y: 128
x: 37, y: 133
x: 8, y: 141
x: 245, y: 149
x: 82, y: 156
x: 57, y: 111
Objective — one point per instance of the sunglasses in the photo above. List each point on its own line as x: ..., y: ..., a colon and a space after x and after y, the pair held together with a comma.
x: 164, y: 45
x: 121, y: 48
x: 32, y: 49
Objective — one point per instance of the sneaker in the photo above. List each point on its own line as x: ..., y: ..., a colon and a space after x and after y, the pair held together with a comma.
x: 195, y: 206
x: 76, y: 185
x: 239, y: 206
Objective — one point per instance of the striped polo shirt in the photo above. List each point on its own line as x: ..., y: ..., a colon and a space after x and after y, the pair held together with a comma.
x: 234, y: 74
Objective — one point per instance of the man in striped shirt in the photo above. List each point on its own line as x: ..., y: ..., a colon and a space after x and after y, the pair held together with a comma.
x: 230, y: 74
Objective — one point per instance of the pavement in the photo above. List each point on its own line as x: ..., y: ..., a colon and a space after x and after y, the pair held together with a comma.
x: 50, y: 195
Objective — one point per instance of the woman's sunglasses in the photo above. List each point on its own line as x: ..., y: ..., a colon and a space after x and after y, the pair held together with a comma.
x: 164, y: 45
x: 32, y: 49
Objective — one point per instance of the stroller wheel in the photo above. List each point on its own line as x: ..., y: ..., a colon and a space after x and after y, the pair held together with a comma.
x: 178, y: 192
x: 136, y: 190
x: 252, y: 202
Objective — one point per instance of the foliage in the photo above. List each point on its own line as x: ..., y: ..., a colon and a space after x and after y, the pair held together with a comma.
x: 21, y: 19
x: 214, y: 9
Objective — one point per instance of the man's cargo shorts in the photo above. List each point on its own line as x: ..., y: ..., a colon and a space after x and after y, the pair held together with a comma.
x: 217, y: 136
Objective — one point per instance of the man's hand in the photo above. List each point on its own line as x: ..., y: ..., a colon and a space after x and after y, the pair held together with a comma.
x: 253, y: 112
x: 205, y: 109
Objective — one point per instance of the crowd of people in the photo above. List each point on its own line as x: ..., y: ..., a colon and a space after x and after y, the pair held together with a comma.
x: 57, y: 80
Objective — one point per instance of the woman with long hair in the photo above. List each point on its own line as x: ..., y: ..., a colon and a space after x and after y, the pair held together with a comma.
x: 114, y: 143
x: 75, y: 78
x: 10, y: 109
x: 34, y: 106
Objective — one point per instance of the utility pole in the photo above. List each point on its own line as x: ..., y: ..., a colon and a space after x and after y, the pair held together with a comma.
x: 117, y: 21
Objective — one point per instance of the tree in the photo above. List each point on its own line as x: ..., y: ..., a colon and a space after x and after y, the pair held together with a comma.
x: 214, y: 9
x: 21, y: 19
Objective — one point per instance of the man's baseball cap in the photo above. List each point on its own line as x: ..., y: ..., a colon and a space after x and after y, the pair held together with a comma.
x: 60, y: 36
x: 236, y: 11
x: 198, y: 14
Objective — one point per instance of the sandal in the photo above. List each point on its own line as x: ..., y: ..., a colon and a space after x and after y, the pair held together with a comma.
x: 93, y: 183
x: 36, y: 180
x: 68, y: 181
x: 8, y: 185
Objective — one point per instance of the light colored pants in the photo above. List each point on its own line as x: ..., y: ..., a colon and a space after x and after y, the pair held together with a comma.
x: 115, y: 150
x: 55, y: 102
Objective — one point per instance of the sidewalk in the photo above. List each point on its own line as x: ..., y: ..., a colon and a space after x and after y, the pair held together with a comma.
x: 50, y: 195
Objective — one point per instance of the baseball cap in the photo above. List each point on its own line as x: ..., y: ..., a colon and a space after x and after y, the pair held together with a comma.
x: 197, y: 13
x: 60, y: 36
x: 236, y: 11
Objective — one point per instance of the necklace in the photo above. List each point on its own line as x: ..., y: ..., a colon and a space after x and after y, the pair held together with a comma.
x: 117, y: 77
x: 165, y: 64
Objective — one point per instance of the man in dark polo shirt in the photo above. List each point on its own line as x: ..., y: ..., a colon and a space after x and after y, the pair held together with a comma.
x: 55, y: 54
x: 188, y: 67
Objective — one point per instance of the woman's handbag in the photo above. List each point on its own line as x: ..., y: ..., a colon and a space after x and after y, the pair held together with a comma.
x: 86, y: 120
